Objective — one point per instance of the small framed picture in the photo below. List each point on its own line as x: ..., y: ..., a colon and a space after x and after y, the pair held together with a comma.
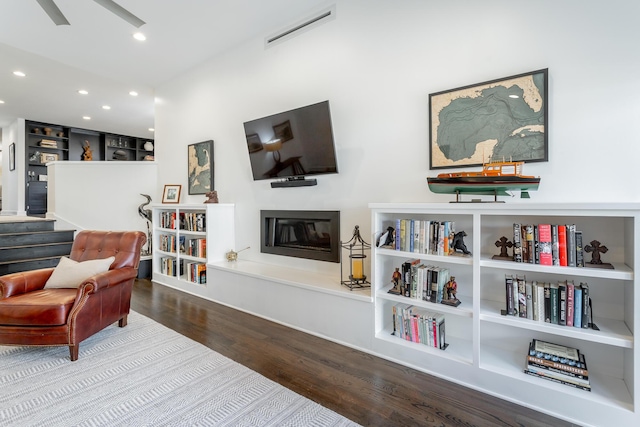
x: 171, y: 193
x: 283, y: 131
x: 48, y: 157
x: 12, y: 156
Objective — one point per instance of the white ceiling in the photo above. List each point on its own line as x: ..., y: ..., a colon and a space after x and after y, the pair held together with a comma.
x: 98, y: 53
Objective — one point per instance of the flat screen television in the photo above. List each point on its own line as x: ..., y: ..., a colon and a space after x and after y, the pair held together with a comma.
x: 292, y: 144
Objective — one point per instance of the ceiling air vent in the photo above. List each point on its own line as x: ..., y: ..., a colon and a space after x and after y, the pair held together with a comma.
x: 298, y: 28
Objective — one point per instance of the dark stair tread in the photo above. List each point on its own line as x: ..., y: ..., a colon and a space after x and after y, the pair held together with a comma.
x: 37, y: 245
x: 31, y: 259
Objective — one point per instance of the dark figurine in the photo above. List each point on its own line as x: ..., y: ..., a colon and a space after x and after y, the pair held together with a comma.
x: 596, y: 248
x: 458, y: 242
x: 395, y: 279
x: 212, y: 197
x: 451, y: 287
x: 387, y: 238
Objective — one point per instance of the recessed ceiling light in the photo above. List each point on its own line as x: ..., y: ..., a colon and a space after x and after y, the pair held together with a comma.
x: 19, y: 73
x: 106, y: 107
x: 86, y: 117
x: 152, y: 130
x: 83, y: 92
x: 1, y: 101
x: 140, y: 36
x: 514, y: 96
x: 133, y: 93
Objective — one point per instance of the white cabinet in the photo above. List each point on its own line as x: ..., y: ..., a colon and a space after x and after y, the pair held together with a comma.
x: 186, y: 237
x: 486, y: 349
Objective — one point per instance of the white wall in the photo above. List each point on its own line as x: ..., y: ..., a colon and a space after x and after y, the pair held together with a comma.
x: 376, y: 64
x: 13, y: 191
x: 99, y: 195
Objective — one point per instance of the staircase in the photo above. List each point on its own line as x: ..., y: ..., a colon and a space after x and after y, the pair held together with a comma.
x: 31, y: 243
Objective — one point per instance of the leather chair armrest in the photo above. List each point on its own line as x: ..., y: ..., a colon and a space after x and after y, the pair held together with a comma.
x: 107, y: 279
x: 23, y: 282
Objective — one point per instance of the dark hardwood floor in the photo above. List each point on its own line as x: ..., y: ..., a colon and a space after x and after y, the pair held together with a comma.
x: 366, y: 389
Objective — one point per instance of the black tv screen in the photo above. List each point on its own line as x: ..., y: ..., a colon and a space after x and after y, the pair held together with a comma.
x: 294, y: 143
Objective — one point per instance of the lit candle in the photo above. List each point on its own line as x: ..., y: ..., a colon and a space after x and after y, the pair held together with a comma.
x: 357, y: 268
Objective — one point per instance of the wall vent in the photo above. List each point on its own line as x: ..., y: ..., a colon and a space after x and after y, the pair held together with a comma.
x: 301, y: 26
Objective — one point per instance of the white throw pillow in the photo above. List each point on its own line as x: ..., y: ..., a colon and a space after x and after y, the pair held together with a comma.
x: 71, y: 274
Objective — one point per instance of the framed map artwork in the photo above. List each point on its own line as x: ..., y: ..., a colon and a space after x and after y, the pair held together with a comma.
x: 496, y: 120
x: 200, y: 167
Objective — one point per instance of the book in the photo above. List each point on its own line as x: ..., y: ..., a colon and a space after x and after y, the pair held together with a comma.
x: 577, y: 304
x: 547, y: 302
x: 525, y: 244
x: 579, y: 250
x: 544, y: 244
x: 517, y: 243
x: 585, y: 305
x: 571, y: 245
x: 555, y: 352
x: 529, y: 239
x: 568, y: 383
x: 562, y: 245
x: 555, y: 257
x: 554, y: 298
x: 509, y: 295
x: 570, y: 302
x: 536, y: 244
x: 529, y: 295
x: 539, y: 312
x: 558, y: 368
x: 522, y: 297
x: 554, y: 373
x: 562, y: 303
x: 398, y: 240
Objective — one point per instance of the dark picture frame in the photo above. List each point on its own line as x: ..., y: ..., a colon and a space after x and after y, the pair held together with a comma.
x: 12, y: 156
x: 171, y: 193
x: 254, y: 143
x: 499, y: 119
x: 282, y: 131
x: 200, y: 167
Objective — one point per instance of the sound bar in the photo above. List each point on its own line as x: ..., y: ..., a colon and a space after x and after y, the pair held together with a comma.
x: 296, y: 182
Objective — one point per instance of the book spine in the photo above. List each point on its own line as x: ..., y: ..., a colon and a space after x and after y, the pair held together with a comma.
x: 508, y: 280
x: 525, y: 243
x: 522, y: 298
x: 570, y: 302
x: 544, y: 246
x: 567, y: 383
x: 562, y: 245
x: 554, y: 304
x: 547, y: 302
x: 541, y: 302
x: 577, y: 311
x: 398, y: 234
x: 555, y: 255
x: 517, y: 243
x: 579, y: 250
x: 562, y: 304
x: 585, y: 305
x: 529, y: 295
x: 553, y: 367
x: 571, y: 245
x: 531, y: 253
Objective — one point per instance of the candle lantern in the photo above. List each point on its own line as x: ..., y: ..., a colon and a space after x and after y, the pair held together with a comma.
x: 356, y: 248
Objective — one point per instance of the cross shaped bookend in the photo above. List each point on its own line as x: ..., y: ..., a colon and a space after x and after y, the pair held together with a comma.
x: 596, y: 248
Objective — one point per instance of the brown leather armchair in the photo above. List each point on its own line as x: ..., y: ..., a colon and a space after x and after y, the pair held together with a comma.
x: 33, y: 315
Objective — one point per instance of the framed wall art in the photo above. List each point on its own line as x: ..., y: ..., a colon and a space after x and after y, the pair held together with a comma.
x: 171, y: 193
x: 12, y: 156
x: 200, y: 167
x: 500, y: 119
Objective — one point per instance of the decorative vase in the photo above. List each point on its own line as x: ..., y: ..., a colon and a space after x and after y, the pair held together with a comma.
x: 148, y: 146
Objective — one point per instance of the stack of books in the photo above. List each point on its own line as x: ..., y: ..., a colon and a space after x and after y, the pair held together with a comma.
x: 558, y: 363
x: 49, y: 143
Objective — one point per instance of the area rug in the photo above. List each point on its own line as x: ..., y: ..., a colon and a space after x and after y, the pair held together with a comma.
x: 144, y: 375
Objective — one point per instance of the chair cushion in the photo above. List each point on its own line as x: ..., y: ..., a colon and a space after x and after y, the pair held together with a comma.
x: 46, y: 307
x: 71, y: 274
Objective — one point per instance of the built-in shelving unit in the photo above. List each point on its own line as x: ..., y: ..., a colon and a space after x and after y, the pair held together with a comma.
x: 188, y: 236
x: 487, y: 350
x: 46, y: 143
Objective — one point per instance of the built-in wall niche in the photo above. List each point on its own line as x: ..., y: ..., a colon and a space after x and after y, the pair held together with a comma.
x: 301, y: 234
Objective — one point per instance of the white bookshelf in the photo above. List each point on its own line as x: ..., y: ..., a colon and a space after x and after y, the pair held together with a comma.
x: 486, y: 349
x: 216, y: 226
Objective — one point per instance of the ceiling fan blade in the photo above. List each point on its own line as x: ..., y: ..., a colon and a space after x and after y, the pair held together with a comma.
x: 123, y: 13
x: 54, y: 13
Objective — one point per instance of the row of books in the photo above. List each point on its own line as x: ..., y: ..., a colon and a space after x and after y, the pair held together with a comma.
x: 423, y: 282
x: 424, y: 236
x: 548, y: 244
x: 196, y: 247
x: 190, y: 221
x: 49, y: 143
x: 193, y: 221
x: 169, y: 266
x: 557, y: 363
x: 167, y: 243
x: 196, y: 272
x: 562, y: 303
x: 419, y: 326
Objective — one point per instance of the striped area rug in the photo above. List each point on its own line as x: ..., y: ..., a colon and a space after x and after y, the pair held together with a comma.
x: 144, y: 375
